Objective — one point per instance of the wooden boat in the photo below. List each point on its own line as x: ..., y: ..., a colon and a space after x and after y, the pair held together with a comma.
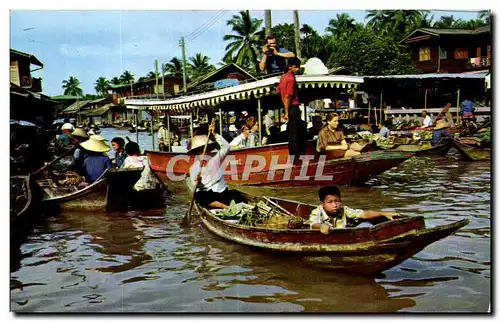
x: 440, y: 149
x: 367, y: 251
x: 112, y: 191
x: 471, y: 152
x: 23, y: 197
x: 343, y: 170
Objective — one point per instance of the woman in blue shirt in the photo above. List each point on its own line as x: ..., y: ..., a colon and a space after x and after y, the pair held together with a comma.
x: 95, y: 162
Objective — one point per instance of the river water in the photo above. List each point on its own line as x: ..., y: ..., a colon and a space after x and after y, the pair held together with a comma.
x: 145, y: 262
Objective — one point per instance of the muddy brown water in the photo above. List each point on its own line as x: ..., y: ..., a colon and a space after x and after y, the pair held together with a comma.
x: 145, y: 262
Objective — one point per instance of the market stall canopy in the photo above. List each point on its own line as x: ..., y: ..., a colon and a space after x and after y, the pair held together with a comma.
x: 260, y: 88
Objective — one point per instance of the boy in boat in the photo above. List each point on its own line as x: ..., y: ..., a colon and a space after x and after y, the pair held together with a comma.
x: 332, y: 214
x: 207, y: 175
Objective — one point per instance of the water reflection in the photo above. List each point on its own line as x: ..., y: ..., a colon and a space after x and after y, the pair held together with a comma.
x: 145, y: 262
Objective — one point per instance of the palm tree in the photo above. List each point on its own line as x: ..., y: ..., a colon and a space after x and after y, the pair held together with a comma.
x: 394, y: 22
x: 72, y: 87
x: 245, y: 40
x: 127, y: 77
x: 150, y: 75
x: 115, y: 81
x: 426, y: 21
x: 446, y: 22
x: 173, y: 68
x: 342, y: 26
x: 102, y: 86
x: 485, y: 15
x: 199, y: 65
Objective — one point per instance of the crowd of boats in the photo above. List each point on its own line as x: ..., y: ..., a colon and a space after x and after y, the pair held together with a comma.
x: 367, y: 250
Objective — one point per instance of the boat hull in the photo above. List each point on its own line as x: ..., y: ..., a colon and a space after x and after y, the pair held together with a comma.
x: 472, y: 153
x: 440, y: 149
x: 366, y: 251
x: 319, y: 171
x: 113, y: 191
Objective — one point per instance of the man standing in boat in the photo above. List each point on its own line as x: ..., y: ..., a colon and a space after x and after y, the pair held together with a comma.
x: 206, y: 173
x: 297, y: 131
x: 273, y: 57
x: 331, y: 214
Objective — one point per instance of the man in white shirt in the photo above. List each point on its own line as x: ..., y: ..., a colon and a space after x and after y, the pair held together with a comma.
x: 208, y: 175
x: 427, y: 119
x: 241, y: 141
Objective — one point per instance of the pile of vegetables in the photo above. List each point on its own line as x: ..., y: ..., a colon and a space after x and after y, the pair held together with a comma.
x: 260, y: 215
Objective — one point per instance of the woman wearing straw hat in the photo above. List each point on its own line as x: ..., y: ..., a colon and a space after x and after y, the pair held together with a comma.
x: 78, y: 136
x: 440, y: 132
x: 95, y: 162
x: 207, y: 173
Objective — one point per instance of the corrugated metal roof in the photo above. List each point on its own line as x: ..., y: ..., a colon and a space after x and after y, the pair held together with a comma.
x: 259, y: 88
x: 99, y: 111
x: 433, y: 75
x: 76, y: 106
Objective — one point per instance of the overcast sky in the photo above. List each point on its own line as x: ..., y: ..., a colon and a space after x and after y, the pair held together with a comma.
x: 90, y: 44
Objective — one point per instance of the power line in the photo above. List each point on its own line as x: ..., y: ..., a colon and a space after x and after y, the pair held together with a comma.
x: 197, y: 34
x: 204, y: 24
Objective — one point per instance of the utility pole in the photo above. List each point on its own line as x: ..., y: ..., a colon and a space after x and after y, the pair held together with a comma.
x: 156, y: 77
x: 183, y: 45
x: 163, y: 79
x: 297, y: 33
x: 268, y: 22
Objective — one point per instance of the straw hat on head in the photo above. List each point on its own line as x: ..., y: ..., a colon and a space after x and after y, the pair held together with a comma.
x: 441, y: 124
x: 79, y: 133
x: 96, y: 143
x: 67, y: 126
x: 198, y: 143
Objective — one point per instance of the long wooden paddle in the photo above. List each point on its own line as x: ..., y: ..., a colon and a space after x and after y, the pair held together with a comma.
x: 68, y: 152
x: 187, y: 218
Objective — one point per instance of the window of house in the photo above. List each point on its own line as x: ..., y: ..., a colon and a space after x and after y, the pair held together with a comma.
x: 424, y: 53
x: 461, y: 53
x: 443, y: 53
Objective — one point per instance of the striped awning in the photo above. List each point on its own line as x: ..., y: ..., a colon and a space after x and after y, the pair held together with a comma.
x: 246, y: 91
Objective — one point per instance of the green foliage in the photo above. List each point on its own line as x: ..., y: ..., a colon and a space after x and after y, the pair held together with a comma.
x: 173, y: 68
x: 102, y: 86
x: 115, y: 81
x: 367, y: 53
x: 72, y: 87
x: 199, y: 66
x: 127, y: 77
x: 245, y: 39
x: 284, y: 34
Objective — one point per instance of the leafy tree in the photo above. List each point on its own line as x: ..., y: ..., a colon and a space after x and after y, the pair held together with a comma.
x: 426, y: 21
x: 72, y: 87
x: 151, y: 75
x: 199, y: 65
x: 102, y: 86
x: 173, y: 68
x: 127, y: 77
x: 245, y: 40
x: 342, y: 26
x: 115, y: 81
x: 314, y: 45
x: 394, y: 23
x: 446, y: 22
x: 284, y: 34
x: 485, y: 15
x: 368, y: 53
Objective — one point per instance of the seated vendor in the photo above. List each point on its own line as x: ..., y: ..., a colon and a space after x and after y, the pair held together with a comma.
x: 136, y: 160
x: 207, y: 174
x: 332, y: 214
x: 331, y: 138
x: 95, y: 162
x: 241, y: 141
